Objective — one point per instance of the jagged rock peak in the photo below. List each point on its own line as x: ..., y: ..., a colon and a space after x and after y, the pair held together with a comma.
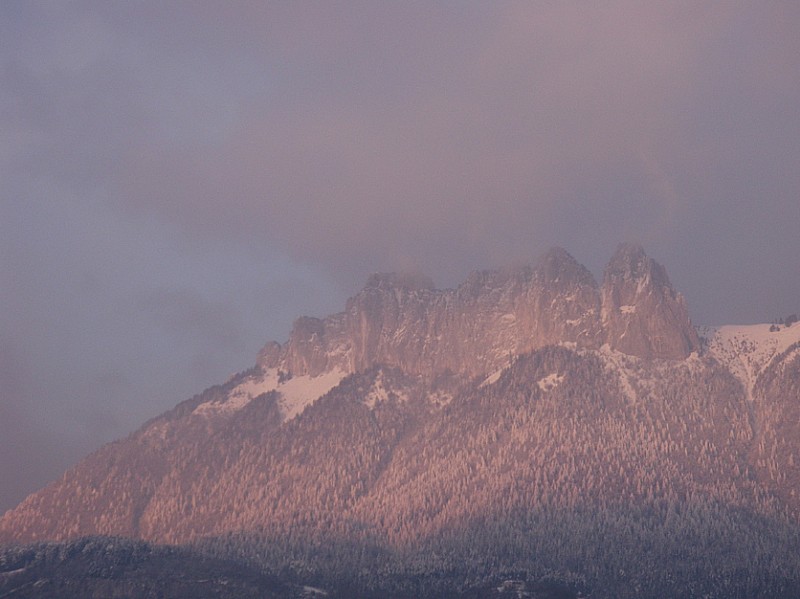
x: 269, y: 356
x: 631, y: 262
x: 642, y: 314
x: 558, y: 265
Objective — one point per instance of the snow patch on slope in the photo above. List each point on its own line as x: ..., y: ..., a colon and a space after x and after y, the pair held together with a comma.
x: 301, y: 391
x: 492, y: 378
x: 748, y: 349
x: 622, y: 366
x: 550, y: 382
x: 379, y: 393
x: 440, y: 398
x: 295, y: 394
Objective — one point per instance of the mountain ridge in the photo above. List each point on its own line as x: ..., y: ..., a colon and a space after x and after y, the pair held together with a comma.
x: 421, y: 422
x: 405, y: 321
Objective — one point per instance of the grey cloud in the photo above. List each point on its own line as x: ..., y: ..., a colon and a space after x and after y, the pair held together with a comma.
x: 478, y: 145
x: 188, y: 316
x: 33, y: 453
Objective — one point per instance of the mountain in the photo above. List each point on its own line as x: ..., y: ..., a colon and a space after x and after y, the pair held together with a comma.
x: 528, y: 433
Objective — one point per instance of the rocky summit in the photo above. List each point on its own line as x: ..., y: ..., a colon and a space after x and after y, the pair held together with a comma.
x: 642, y: 315
x: 529, y: 433
x: 494, y: 315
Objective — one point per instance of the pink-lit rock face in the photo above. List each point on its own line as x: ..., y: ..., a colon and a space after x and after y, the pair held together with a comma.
x: 403, y: 321
x: 642, y: 315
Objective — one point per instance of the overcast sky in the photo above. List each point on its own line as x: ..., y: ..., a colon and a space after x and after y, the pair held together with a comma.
x: 180, y: 180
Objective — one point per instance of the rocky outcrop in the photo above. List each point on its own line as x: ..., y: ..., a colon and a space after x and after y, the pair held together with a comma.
x: 642, y: 315
x: 403, y: 321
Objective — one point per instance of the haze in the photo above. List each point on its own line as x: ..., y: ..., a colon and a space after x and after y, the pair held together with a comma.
x: 180, y: 180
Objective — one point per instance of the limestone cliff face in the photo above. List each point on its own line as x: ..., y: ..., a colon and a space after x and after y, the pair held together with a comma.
x: 642, y: 315
x: 567, y: 302
x: 403, y: 321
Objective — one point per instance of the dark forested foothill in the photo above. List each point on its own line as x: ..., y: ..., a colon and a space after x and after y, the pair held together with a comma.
x: 103, y: 567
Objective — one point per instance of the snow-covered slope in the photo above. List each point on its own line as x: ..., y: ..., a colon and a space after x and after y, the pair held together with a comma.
x: 747, y: 349
x: 296, y: 393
